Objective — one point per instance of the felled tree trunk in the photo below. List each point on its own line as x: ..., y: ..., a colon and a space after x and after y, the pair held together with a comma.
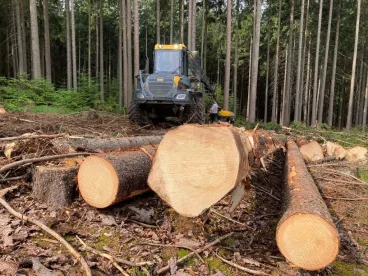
x: 56, y: 186
x: 306, y: 234
x: 2, y: 110
x: 88, y: 144
x: 195, y: 166
x: 107, y: 179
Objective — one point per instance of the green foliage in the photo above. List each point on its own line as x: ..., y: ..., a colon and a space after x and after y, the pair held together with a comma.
x: 298, y: 125
x: 240, y: 122
x: 21, y: 94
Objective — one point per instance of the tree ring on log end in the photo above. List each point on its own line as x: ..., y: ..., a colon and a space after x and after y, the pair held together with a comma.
x: 308, y: 241
x: 98, y: 182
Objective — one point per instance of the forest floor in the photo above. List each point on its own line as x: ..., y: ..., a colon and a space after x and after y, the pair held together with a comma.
x: 160, y: 238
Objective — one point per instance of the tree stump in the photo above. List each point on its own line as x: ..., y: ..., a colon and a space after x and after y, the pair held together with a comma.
x: 56, y: 186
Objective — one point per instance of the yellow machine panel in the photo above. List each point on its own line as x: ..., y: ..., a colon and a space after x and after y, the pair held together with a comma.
x: 169, y: 46
x: 226, y: 113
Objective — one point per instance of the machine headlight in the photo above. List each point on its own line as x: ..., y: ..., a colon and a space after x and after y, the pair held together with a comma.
x: 140, y: 96
x: 181, y: 97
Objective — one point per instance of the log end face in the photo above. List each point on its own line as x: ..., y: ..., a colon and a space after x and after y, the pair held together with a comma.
x: 308, y: 241
x: 98, y: 182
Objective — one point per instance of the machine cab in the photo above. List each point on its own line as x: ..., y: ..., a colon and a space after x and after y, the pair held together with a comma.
x: 171, y: 59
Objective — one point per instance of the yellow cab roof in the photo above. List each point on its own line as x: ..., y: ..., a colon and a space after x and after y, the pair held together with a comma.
x: 169, y: 46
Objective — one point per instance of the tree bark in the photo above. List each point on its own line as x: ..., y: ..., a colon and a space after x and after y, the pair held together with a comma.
x: 90, y: 144
x: 299, y: 71
x: 323, y: 81
x: 74, y: 47
x: 47, y: 39
x: 194, y: 25
x: 68, y: 46
x: 24, y: 37
x: 184, y: 171
x: 276, y: 73
x: 364, y: 123
x: 267, y: 75
x: 190, y: 21
x: 306, y: 221
x: 158, y: 27
x: 307, y: 87
x: 102, y: 72
x: 36, y: 62
x: 236, y: 59
x: 136, y: 41
x: 89, y: 42
x: 228, y: 55
x: 352, y: 83
x: 54, y: 185
x: 111, y: 178
x: 255, y: 61
x: 315, y: 79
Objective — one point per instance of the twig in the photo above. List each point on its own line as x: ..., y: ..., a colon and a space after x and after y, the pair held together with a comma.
x: 218, y: 240
x: 265, y: 191
x: 104, y: 255
x: 146, y: 152
x: 143, y: 127
x: 22, y: 137
x: 3, y: 192
x: 251, y: 271
x: 44, y: 158
x: 341, y: 181
x: 345, y: 174
x: 143, y: 224
x: 255, y: 128
x: 171, y: 245
x: 323, y: 160
x: 228, y: 218
x: 13, y: 178
x: 46, y: 229
x: 346, y: 198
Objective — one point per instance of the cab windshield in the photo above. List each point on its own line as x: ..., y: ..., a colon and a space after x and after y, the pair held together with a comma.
x: 167, y: 61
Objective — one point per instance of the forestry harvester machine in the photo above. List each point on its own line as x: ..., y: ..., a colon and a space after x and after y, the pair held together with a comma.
x: 173, y: 89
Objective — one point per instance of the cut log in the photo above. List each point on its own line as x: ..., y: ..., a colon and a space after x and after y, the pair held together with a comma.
x: 56, y: 186
x: 2, y: 110
x: 89, y: 144
x: 107, y: 179
x: 306, y: 234
x: 312, y: 152
x: 195, y: 166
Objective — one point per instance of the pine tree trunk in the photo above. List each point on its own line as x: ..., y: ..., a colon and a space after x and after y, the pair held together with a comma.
x: 267, y: 75
x: 332, y: 89
x: 129, y: 48
x: 24, y: 37
x: 352, y: 83
x: 194, y: 25
x: 36, y: 62
x: 181, y: 21
x: 158, y: 27
x: 190, y: 9
x: 125, y: 55
x: 364, y: 122
x: 136, y: 40
x: 97, y: 47
x: 47, y: 39
x: 19, y: 38
x: 359, y: 90
x: 276, y: 73
x: 120, y: 56
x: 228, y: 55
x: 282, y: 105
x: 299, y: 71
x: 102, y: 79
x: 249, y: 77
x: 236, y: 59
x: 68, y: 46
x: 89, y: 41
x: 74, y: 47
x: 171, y: 21
x: 323, y: 81
x: 289, y: 72
x: 315, y: 78
x: 255, y: 61
x: 307, y: 87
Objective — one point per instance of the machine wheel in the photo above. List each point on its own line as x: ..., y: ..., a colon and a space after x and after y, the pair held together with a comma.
x: 138, y: 115
x: 195, y: 113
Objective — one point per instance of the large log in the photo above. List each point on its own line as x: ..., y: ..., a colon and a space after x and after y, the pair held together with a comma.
x: 89, y: 144
x: 195, y: 166
x: 306, y: 234
x: 107, y: 179
x: 54, y: 185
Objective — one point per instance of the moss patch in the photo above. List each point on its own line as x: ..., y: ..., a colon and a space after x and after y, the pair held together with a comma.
x: 215, y: 263
x: 349, y: 269
x: 363, y: 175
x: 107, y: 240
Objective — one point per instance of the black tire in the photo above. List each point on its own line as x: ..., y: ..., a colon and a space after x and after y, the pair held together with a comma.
x: 138, y: 115
x: 195, y: 113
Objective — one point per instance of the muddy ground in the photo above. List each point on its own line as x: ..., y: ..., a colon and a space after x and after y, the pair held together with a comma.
x: 122, y: 229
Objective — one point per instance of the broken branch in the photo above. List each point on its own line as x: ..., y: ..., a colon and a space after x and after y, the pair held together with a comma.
x: 23, y: 137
